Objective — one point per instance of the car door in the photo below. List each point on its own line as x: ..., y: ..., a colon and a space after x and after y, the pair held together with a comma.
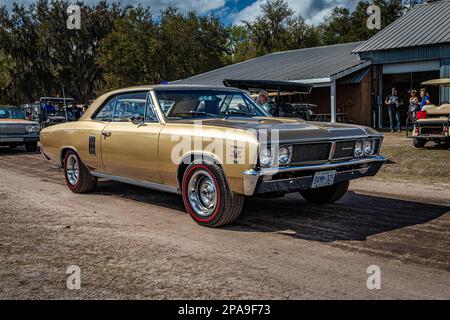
x: 130, y: 150
x: 88, y: 137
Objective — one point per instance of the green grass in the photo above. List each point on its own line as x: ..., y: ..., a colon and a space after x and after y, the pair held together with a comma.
x: 428, y: 165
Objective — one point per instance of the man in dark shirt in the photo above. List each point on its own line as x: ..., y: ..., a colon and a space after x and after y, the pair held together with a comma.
x: 393, y: 101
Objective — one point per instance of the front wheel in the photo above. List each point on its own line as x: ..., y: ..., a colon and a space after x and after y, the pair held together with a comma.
x: 77, y: 176
x: 31, y: 146
x: 326, y: 194
x: 207, y: 197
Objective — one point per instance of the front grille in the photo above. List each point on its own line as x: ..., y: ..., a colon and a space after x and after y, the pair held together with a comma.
x: 311, y: 152
x: 344, y: 149
x: 12, y: 129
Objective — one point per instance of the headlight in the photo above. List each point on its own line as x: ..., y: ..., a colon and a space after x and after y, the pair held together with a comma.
x: 33, y: 129
x: 265, y: 156
x: 359, y: 151
x: 284, y: 155
x: 368, y: 147
x: 364, y: 148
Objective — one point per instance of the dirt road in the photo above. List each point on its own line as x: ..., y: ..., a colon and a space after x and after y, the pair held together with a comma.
x: 136, y: 243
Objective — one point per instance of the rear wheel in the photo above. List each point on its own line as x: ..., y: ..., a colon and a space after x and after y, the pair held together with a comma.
x: 207, y: 197
x: 419, y: 143
x: 447, y: 143
x: 77, y: 176
x: 31, y: 146
x: 326, y: 194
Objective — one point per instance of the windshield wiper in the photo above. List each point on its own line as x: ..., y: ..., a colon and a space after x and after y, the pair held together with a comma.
x: 202, y: 113
x: 240, y: 113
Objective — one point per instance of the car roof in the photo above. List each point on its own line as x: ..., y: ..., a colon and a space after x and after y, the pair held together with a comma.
x: 100, y: 100
x: 8, y: 107
x: 171, y: 87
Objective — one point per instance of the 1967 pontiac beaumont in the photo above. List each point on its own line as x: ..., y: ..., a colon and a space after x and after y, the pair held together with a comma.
x: 214, y: 146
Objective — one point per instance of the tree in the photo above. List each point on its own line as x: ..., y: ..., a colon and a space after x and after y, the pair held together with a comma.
x: 345, y: 26
x: 189, y: 44
x: 126, y: 55
x: 302, y: 35
x: 240, y: 45
x: 6, y: 69
x: 269, y: 32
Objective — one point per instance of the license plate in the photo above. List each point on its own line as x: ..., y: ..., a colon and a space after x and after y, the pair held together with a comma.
x: 323, y: 179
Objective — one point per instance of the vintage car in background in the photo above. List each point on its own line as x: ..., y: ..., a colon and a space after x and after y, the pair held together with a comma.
x: 49, y: 111
x: 160, y: 137
x: 434, y: 121
x: 16, y: 131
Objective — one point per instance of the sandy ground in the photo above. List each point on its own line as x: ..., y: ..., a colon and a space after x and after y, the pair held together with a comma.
x: 136, y: 243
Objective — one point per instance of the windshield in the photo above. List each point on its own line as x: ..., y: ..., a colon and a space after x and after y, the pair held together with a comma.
x: 187, y: 104
x: 11, y: 113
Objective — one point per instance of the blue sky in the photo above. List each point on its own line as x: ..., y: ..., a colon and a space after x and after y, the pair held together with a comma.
x: 234, y: 11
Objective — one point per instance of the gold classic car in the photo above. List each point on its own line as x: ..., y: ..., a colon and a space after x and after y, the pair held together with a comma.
x: 214, y: 146
x: 16, y: 131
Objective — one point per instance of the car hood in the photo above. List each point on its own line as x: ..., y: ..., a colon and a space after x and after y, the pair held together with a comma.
x: 16, y: 121
x: 290, y: 129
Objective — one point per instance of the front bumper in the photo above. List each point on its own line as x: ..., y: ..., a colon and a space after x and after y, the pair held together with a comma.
x: 18, y: 139
x: 296, y: 178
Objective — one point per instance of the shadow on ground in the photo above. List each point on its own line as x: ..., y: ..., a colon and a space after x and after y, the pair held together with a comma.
x: 355, y: 217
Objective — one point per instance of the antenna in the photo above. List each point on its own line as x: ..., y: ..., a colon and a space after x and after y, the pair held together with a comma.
x: 65, y: 104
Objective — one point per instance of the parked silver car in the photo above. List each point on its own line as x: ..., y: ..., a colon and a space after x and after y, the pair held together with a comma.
x: 16, y: 131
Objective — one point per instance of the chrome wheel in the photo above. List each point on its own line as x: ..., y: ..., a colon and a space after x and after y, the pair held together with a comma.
x: 72, y: 169
x: 202, y: 193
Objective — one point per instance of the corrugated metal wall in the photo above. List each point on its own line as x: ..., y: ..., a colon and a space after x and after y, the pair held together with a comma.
x: 445, y: 73
x: 408, y: 54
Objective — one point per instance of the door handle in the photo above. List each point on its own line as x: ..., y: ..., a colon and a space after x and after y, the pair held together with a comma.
x: 106, y: 134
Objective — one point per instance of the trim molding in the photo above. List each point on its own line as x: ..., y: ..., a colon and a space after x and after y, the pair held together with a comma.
x: 139, y: 183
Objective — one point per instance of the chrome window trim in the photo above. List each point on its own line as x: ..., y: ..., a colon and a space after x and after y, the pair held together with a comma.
x: 139, y: 183
x: 147, y: 104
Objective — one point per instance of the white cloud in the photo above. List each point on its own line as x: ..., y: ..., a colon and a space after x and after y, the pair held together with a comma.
x: 314, y: 11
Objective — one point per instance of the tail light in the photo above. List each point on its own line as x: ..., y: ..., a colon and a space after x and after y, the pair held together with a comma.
x: 417, y: 130
x: 445, y: 130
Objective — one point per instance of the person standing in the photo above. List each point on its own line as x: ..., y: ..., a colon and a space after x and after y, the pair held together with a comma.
x: 413, y: 105
x: 393, y: 101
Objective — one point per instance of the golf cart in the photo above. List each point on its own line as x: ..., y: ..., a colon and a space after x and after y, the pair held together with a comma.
x: 52, y: 110
x: 288, y: 99
x: 432, y: 123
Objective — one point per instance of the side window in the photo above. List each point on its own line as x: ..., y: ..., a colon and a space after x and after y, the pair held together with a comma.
x: 128, y: 105
x: 236, y: 103
x: 105, y: 114
x: 150, y: 113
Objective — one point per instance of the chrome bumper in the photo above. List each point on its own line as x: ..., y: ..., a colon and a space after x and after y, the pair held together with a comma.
x: 18, y: 139
x: 296, y: 178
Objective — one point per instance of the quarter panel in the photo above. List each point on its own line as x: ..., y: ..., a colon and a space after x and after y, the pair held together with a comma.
x: 74, y: 135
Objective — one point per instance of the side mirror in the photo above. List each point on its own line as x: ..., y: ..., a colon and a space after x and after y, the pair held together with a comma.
x: 137, y: 119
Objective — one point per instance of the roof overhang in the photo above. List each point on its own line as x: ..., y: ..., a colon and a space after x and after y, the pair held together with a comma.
x: 328, y: 82
x: 269, y: 85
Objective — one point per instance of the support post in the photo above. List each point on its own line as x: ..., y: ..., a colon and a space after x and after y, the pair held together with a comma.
x: 333, y: 101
